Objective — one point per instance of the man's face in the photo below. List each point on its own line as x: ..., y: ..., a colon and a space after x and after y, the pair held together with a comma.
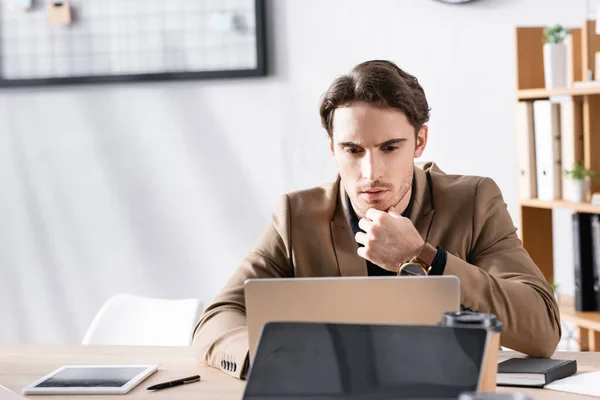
x: 374, y: 149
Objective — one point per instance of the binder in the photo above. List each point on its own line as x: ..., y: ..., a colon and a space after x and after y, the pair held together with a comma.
x: 596, y: 256
x: 571, y: 136
x: 527, y: 185
x: 547, y: 149
x: 586, y: 281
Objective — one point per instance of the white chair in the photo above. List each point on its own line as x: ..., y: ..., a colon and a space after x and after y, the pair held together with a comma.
x: 127, y: 319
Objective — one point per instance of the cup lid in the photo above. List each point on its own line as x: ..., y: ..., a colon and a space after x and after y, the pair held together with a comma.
x: 471, y: 319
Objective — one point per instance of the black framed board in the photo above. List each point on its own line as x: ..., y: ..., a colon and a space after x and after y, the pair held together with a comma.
x: 107, y: 41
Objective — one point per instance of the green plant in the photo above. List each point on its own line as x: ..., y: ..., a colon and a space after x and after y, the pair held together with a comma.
x: 578, y: 172
x: 554, y: 287
x: 556, y: 34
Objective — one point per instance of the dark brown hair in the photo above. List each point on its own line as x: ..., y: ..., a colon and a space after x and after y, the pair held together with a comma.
x: 380, y: 83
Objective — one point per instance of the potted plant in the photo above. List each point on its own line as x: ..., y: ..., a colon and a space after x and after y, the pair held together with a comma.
x: 578, y: 182
x: 555, y: 57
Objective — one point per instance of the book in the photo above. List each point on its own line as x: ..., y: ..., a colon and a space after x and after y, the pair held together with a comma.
x: 533, y: 372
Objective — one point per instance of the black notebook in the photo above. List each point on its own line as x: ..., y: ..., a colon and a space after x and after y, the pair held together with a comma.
x: 533, y: 372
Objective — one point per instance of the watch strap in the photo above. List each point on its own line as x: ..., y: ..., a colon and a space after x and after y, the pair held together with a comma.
x: 426, y: 255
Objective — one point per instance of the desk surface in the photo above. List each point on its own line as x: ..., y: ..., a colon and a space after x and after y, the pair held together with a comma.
x: 21, y: 365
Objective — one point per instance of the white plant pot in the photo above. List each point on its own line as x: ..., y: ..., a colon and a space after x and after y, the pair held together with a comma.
x: 577, y: 191
x: 555, y: 65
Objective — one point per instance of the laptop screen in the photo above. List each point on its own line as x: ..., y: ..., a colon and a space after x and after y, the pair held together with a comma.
x: 352, y: 361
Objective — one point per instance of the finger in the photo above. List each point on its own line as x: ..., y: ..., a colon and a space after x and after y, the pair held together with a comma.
x: 362, y: 251
x: 374, y: 214
x: 361, y: 238
x: 392, y: 211
x: 365, y: 224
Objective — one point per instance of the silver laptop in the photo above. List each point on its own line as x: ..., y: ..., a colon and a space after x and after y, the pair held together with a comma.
x: 410, y: 300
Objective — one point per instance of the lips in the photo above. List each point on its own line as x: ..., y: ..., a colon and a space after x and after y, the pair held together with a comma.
x: 374, y: 194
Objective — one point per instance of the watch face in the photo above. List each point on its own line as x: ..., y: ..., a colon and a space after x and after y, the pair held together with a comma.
x: 412, y: 269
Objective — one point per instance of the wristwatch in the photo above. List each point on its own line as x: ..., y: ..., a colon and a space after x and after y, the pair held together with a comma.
x: 421, y: 263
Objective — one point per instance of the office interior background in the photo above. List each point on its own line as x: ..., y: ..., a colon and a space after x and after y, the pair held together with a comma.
x: 160, y: 189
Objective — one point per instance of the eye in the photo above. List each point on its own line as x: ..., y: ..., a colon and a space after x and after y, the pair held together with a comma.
x: 353, y: 150
x: 389, y: 149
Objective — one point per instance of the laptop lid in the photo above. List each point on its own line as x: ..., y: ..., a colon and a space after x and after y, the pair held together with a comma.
x: 325, y: 361
x: 391, y: 300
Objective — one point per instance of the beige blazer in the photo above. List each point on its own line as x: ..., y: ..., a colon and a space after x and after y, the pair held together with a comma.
x: 310, y: 236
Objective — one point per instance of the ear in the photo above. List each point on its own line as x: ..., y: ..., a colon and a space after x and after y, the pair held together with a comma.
x: 421, y: 141
x: 331, y: 148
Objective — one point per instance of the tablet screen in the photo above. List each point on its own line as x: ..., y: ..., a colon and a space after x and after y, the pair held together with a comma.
x: 77, y: 377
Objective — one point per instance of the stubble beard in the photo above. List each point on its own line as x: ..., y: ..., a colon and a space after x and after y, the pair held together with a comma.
x: 399, y: 195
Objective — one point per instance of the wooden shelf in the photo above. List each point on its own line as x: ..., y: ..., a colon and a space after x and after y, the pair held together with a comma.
x: 532, y: 94
x: 585, y: 319
x: 579, y: 207
x: 588, y: 323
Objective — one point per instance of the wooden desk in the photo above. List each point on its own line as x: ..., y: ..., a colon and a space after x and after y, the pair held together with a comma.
x: 21, y: 365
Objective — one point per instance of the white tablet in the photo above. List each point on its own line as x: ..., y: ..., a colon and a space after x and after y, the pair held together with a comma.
x: 91, y: 379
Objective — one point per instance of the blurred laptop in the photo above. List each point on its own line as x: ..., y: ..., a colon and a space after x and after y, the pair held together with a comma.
x: 414, y: 300
x: 320, y: 361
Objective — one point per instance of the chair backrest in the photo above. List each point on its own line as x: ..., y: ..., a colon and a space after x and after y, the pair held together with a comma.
x: 127, y: 319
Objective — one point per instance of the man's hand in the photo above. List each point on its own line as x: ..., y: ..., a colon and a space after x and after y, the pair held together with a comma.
x: 389, y: 239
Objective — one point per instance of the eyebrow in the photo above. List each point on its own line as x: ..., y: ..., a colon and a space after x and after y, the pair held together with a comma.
x: 386, y: 143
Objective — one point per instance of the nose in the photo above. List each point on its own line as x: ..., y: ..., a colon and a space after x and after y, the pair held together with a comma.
x: 371, y: 167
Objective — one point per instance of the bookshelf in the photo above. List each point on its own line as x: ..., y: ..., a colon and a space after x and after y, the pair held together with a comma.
x: 535, y: 94
x: 576, y: 207
x: 536, y: 215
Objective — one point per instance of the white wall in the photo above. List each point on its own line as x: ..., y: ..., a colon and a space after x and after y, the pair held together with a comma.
x: 161, y: 189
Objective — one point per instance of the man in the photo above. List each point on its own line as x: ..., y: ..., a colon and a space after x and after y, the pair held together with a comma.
x: 382, y: 212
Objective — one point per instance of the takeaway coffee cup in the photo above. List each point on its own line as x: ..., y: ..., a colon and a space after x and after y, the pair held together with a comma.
x: 493, y: 327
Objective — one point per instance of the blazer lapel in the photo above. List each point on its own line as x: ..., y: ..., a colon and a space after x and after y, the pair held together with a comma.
x: 344, y: 245
x: 422, y: 212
